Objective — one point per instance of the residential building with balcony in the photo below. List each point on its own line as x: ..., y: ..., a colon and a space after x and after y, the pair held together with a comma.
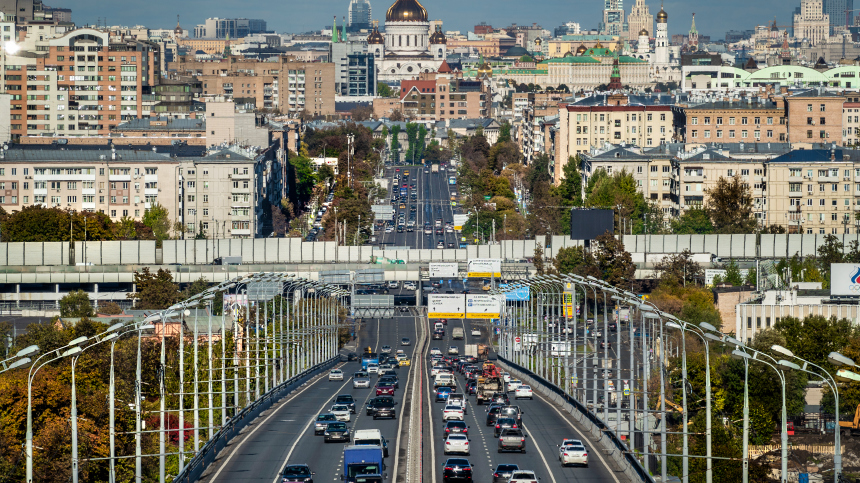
x: 444, y: 95
x: 748, y: 120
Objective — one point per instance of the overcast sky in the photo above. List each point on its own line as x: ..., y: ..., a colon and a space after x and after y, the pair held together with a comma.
x: 713, y: 18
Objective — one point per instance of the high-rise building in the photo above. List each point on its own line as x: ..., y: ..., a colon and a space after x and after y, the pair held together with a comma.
x: 840, y: 11
x: 811, y: 23
x: 235, y: 28
x: 639, y: 19
x: 613, y: 18
x: 359, y: 15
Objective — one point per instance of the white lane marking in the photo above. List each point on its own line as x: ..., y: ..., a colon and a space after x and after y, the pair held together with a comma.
x: 608, y: 469
x: 263, y: 423
x: 402, y: 416
x: 548, y: 469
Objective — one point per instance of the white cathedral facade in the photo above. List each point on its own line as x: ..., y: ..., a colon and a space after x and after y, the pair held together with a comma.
x: 407, y: 48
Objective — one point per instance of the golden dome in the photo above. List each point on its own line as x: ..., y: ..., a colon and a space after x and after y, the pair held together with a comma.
x: 581, y: 49
x: 662, y: 16
x: 438, y: 37
x: 538, y: 41
x: 484, y: 70
x: 406, y: 11
x: 643, y: 33
x: 375, y: 37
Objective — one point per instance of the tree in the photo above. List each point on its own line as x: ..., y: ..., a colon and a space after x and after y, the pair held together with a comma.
x: 570, y: 187
x: 76, y: 304
x: 305, y: 178
x: 730, y: 206
x: 680, y: 268
x: 575, y: 260
x: 396, y: 116
x: 110, y: 308
x: 395, y: 139
x: 816, y: 336
x: 692, y: 222
x: 362, y: 113
x: 830, y: 252
x: 194, y: 288
x: 538, y: 260
x: 503, y: 154
x: 155, y: 291
x: 504, y: 133
x: 614, y: 263
x: 305, y: 115
x: 751, y: 278
x: 157, y: 218
x: 383, y: 90
x: 619, y: 192
x: 733, y: 275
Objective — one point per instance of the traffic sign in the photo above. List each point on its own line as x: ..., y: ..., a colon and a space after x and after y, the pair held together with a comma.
x: 517, y: 340
x: 626, y: 392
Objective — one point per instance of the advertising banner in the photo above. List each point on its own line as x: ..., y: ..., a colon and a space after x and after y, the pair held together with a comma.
x: 485, y: 267
x: 518, y: 295
x: 480, y: 306
x: 568, y: 305
x: 460, y: 220
x: 444, y: 270
x: 446, y: 306
x: 845, y: 279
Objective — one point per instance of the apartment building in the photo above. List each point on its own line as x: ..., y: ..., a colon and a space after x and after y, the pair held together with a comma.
x: 815, y: 116
x: 655, y: 174
x: 80, y: 83
x: 749, y: 120
x: 443, y: 95
x: 286, y: 85
x: 222, y: 191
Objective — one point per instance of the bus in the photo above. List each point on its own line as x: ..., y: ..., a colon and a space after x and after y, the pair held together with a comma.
x: 452, y: 180
x: 368, y: 358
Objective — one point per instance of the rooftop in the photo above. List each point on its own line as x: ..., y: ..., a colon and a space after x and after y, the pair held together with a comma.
x: 162, y: 124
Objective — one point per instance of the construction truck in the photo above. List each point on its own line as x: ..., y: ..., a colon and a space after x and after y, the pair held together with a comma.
x: 489, y: 382
x: 853, y: 425
x: 483, y: 352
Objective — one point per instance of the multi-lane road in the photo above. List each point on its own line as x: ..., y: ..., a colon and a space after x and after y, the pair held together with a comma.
x: 432, y: 202
x: 285, y: 434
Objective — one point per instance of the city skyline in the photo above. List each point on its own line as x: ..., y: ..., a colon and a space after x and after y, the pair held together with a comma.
x: 711, y: 19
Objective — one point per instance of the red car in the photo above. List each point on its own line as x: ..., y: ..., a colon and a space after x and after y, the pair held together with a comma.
x: 384, y: 390
x: 444, y: 321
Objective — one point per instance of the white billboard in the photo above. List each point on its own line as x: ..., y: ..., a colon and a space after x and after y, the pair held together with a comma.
x: 485, y: 267
x: 444, y: 270
x: 845, y: 279
x: 446, y: 306
x: 482, y: 306
x: 460, y: 220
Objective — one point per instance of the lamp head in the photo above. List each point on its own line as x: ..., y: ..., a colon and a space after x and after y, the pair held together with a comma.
x: 712, y: 337
x: 838, y: 359
x: 733, y: 341
x: 27, y: 351
x: 19, y: 363
x: 782, y: 350
x: 736, y: 354
x: 72, y: 351
x: 114, y: 327
x: 146, y: 327
x: 787, y: 365
x: 77, y: 341
x: 674, y: 325
x: 110, y: 336
x: 708, y: 326
x: 847, y: 376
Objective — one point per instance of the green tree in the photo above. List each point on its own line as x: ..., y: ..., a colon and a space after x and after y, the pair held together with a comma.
x: 76, y: 304
x: 194, y: 288
x: 383, y: 90
x: 730, y: 206
x: 305, y: 177
x: 503, y: 154
x: 816, y: 336
x: 692, y: 222
x: 619, y: 192
x: 570, y: 187
x: 751, y: 279
x: 575, y: 260
x: 504, y: 133
x: 680, y: 268
x: 155, y: 291
x: 733, y: 274
x: 157, y: 218
x: 613, y: 262
x: 395, y: 141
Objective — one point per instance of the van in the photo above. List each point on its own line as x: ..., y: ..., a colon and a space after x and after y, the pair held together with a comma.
x: 444, y: 380
x: 370, y: 437
x: 438, y: 326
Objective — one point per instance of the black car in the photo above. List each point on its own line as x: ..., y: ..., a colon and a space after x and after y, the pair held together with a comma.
x: 456, y: 427
x: 336, y: 432
x: 504, y: 423
x: 493, y: 414
x: 457, y: 469
x: 385, y: 404
x: 352, y: 356
x: 388, y: 381
x: 438, y: 334
x: 347, y: 400
x: 503, y: 473
x: 298, y: 473
x: 500, y: 398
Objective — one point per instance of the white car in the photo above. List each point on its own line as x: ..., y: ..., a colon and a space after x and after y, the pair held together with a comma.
x: 434, y: 351
x: 360, y: 382
x: 506, y: 377
x: 476, y: 332
x: 335, y: 375
x: 439, y: 369
x: 394, y: 284
x: 568, y: 442
x: 523, y: 391
x: 513, y: 384
x: 453, y: 350
x: 523, y: 476
x: 410, y: 286
x: 573, y: 455
x: 341, y: 412
x: 386, y: 349
x: 453, y: 412
x: 457, y: 443
x: 373, y: 369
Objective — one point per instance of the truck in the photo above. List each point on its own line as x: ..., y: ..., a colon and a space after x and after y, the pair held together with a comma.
x: 363, y: 464
x: 457, y: 333
x: 489, y: 382
x: 368, y: 358
x: 434, y: 168
x: 483, y: 352
x: 471, y: 350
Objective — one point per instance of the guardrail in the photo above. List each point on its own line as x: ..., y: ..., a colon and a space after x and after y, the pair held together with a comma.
x: 615, y: 448
x: 210, y: 450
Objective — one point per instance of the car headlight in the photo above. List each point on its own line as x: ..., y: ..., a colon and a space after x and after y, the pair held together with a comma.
x: 326, y: 433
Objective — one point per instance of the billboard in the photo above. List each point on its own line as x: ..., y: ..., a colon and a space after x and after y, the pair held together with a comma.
x: 444, y: 270
x: 481, y: 306
x: 460, y: 220
x: 520, y: 294
x: 845, y: 279
x: 485, y: 267
x: 446, y: 306
x: 588, y: 224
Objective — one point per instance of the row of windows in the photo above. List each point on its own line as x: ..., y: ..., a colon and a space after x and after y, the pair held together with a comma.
x: 744, y: 120
x: 732, y: 134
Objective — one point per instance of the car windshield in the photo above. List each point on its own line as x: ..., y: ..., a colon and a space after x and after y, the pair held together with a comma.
x: 336, y: 371
x: 326, y: 417
x: 340, y: 408
x: 362, y: 469
x: 458, y: 462
x: 297, y: 471
x: 453, y: 408
x: 344, y: 399
x: 525, y: 387
x: 507, y: 468
x: 457, y: 437
x: 456, y: 424
x: 336, y: 426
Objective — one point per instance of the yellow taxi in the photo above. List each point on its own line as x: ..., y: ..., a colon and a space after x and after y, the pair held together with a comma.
x: 405, y: 362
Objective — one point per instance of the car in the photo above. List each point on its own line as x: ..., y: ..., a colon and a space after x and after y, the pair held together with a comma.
x: 442, y: 393
x: 440, y: 244
x: 456, y: 427
x: 348, y: 400
x: 506, y: 377
x: 453, y: 350
x: 523, y: 476
x: 512, y: 440
x: 493, y: 414
x: 503, y: 424
x: 360, y: 380
x: 336, y: 432
x: 393, y: 284
x: 405, y: 341
x: 513, y: 384
x: 457, y: 443
x: 386, y: 349
x: 500, y: 398
x: 573, y: 455
x: 352, y: 356
x: 322, y: 421
x: 569, y: 442
x: 523, y: 391
x: 472, y: 388
x: 438, y: 334
x: 503, y: 472
x: 452, y: 411
x: 605, y: 344
x: 511, y: 412
x: 335, y: 375
x: 384, y: 390
x: 300, y: 473
x: 476, y: 332
x: 410, y: 286
x: 435, y: 351
x: 457, y: 469
x: 374, y: 369
x: 341, y: 412
x: 405, y: 362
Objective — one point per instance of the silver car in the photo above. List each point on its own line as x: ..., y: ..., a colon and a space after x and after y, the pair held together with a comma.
x: 360, y: 380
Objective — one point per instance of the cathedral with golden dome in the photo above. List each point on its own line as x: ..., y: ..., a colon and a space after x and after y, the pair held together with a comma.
x: 407, y: 47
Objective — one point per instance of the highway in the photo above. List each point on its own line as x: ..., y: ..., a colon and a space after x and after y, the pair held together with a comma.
x: 432, y: 203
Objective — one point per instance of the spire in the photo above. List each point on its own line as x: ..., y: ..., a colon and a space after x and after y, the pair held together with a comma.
x: 615, y: 78
x: 334, y: 30
x: 693, y: 28
x: 785, y: 55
